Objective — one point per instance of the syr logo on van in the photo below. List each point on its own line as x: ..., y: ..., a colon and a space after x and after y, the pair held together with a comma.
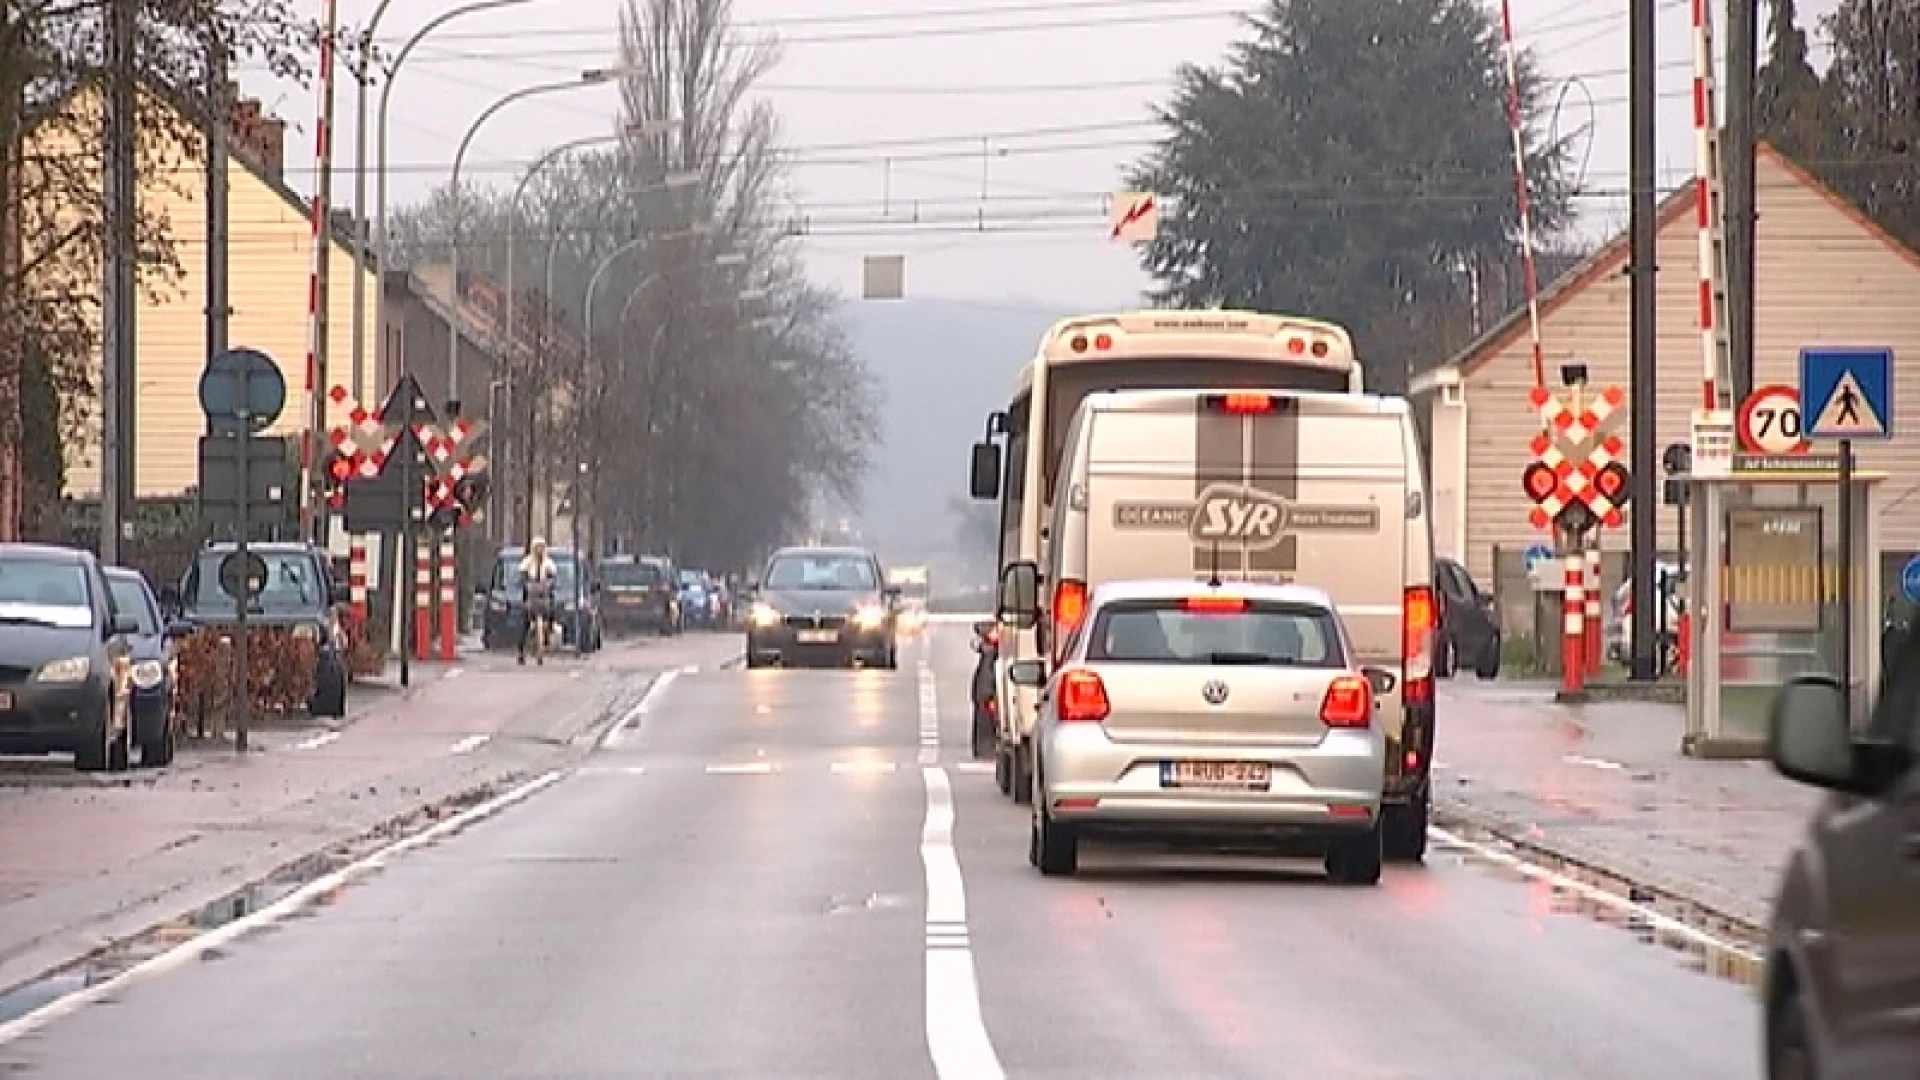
x: 1236, y: 514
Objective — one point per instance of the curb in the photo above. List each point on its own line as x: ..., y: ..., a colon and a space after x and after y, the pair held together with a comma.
x: 111, y: 950
x: 1695, y: 904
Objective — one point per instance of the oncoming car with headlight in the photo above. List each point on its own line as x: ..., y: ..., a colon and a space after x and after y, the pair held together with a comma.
x: 300, y: 595
x: 822, y: 604
x: 1227, y: 716
x: 154, y: 671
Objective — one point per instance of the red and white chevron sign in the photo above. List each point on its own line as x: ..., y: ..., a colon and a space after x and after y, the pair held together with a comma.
x: 1578, y: 465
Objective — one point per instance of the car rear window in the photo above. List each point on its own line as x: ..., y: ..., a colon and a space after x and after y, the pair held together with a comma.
x: 633, y: 573
x: 1216, y: 631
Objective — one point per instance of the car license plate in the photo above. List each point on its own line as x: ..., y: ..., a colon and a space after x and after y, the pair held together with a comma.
x: 6, y: 700
x: 1232, y: 775
x: 818, y: 637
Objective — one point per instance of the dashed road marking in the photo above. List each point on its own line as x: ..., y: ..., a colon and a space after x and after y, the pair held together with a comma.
x: 1593, y: 763
x: 978, y: 768
x: 929, y: 715
x: 957, y: 1037
x: 744, y: 768
x: 316, y: 742
x: 470, y: 744
x: 610, y: 770
x: 454, y: 673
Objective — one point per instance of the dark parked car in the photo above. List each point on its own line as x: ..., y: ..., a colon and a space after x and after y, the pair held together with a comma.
x: 1842, y: 984
x: 152, y: 675
x: 1469, y: 624
x: 300, y: 595
x: 65, y: 659
x: 822, y: 604
x: 575, y: 596
x: 640, y: 594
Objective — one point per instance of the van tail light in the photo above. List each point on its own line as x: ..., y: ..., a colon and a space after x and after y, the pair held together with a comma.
x: 1418, y: 622
x: 1348, y: 704
x: 1069, y: 607
x: 1083, y: 698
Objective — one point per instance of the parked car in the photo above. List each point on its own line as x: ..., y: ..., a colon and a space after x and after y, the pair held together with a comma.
x: 640, y: 594
x: 576, y: 597
x: 1469, y: 624
x: 66, y: 659
x: 154, y: 673
x: 1842, y: 975
x: 300, y: 595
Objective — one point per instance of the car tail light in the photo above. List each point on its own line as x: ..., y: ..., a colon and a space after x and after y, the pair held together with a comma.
x: 1214, y: 605
x: 1418, y: 621
x: 1244, y: 404
x: 1069, y: 607
x: 1348, y: 704
x: 1083, y: 698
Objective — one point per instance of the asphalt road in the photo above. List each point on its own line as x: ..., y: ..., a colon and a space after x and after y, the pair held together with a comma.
x: 763, y: 876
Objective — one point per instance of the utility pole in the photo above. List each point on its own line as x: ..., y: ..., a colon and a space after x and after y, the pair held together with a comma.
x: 117, y: 430
x: 219, y: 120
x: 1642, y: 392
x: 1742, y: 212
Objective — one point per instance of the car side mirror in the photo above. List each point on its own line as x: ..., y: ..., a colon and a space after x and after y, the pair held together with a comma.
x: 1810, y: 739
x: 1028, y: 673
x: 983, y: 480
x: 1019, y: 601
x: 1382, y: 680
x: 179, y: 628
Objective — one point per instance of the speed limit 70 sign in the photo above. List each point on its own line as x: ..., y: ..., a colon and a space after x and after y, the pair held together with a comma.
x: 1770, y: 423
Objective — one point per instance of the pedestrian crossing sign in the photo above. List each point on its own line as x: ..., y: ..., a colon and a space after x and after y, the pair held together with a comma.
x: 1847, y: 393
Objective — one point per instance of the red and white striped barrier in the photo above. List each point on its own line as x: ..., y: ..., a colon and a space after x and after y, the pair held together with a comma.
x: 1573, y: 654
x: 317, y: 275
x: 1706, y: 182
x: 422, y: 597
x: 449, y: 599
x: 1516, y: 124
x: 357, y: 579
x: 1591, y: 631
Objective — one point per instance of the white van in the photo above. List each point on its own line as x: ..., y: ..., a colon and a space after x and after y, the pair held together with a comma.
x: 1317, y: 489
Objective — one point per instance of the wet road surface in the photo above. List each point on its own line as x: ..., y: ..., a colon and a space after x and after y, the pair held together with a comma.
x: 765, y: 876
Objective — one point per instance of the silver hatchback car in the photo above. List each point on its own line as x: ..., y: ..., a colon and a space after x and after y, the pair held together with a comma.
x: 1226, y: 716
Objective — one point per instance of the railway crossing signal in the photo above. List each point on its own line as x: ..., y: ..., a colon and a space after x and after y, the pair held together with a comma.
x: 1578, y: 478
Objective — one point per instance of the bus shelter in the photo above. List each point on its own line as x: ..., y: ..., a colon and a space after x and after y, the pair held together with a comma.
x: 1769, y: 604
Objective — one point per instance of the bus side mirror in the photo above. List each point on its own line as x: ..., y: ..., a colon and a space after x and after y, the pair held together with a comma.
x: 1019, y: 601
x: 984, y: 481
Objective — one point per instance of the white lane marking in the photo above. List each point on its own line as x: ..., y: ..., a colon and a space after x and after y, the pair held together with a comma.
x: 861, y: 767
x: 744, y: 768
x: 470, y: 744
x: 1593, y: 763
x: 975, y: 767
x: 929, y: 714
x: 272, y: 913
x: 454, y: 673
x: 957, y: 1037
x: 316, y: 742
x: 610, y: 770
x: 1661, y: 923
x: 618, y: 733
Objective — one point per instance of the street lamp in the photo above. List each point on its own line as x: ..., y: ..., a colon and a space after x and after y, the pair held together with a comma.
x: 380, y: 184
x: 589, y: 77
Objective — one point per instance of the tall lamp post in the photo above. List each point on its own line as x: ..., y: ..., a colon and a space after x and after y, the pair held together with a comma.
x: 380, y: 182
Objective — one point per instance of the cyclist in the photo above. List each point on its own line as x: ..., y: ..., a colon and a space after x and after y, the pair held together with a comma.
x: 537, y: 573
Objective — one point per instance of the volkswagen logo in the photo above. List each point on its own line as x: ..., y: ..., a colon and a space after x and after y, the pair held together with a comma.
x: 1214, y: 691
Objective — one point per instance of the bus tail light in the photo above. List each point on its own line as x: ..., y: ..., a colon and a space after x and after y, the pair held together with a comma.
x: 1419, y: 619
x: 1069, y: 607
x: 1296, y: 346
x: 1319, y: 350
x: 1083, y: 698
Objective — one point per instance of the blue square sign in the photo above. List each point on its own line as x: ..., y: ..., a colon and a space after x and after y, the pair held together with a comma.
x: 1846, y: 393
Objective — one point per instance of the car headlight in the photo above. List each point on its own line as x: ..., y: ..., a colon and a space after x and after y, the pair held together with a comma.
x: 72, y: 669
x: 763, y: 615
x: 870, y: 617
x: 308, y: 631
x: 148, y: 674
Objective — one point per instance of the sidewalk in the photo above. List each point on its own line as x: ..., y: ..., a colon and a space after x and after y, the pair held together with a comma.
x: 86, y: 860
x: 1605, y: 785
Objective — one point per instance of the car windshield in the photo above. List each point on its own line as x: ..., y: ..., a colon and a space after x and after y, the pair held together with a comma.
x: 627, y: 574
x: 1216, y: 631
x: 130, y: 598
x: 846, y: 573
x: 44, y: 592
x: 294, y: 583
x: 691, y: 579
x: 513, y: 582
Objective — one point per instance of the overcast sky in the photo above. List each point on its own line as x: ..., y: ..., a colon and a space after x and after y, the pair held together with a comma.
x: 905, y: 111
